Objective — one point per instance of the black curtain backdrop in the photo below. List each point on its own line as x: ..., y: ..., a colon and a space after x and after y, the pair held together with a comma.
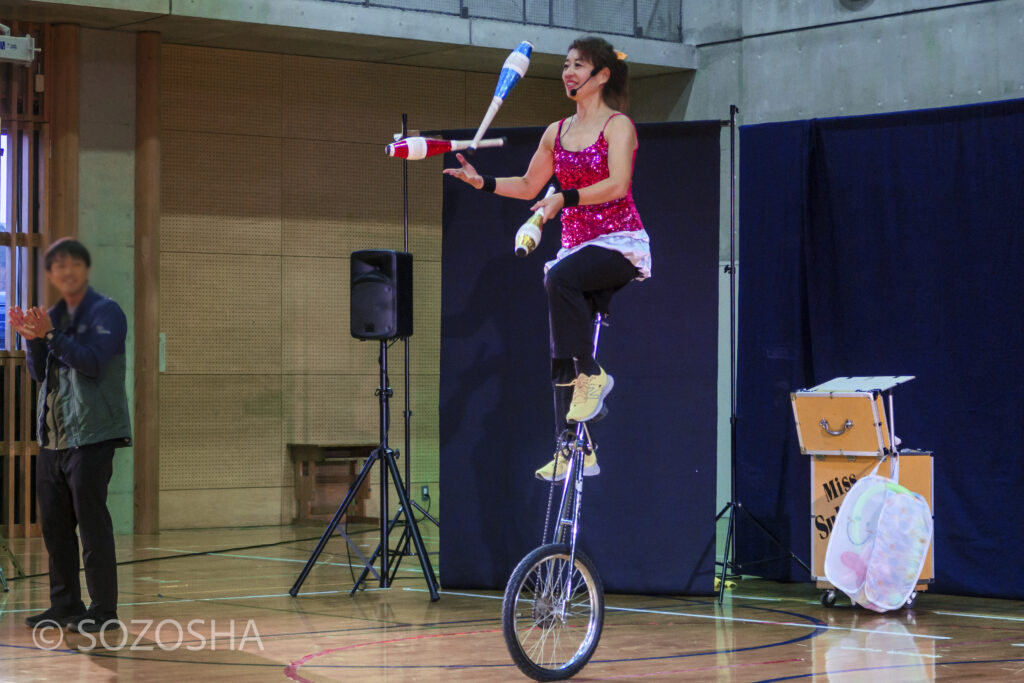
x: 648, y: 519
x: 889, y: 245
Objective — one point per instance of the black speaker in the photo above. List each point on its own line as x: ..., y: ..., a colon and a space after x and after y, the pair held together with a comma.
x: 381, y: 294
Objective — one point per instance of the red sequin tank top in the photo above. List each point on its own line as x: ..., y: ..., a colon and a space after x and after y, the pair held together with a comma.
x: 576, y: 170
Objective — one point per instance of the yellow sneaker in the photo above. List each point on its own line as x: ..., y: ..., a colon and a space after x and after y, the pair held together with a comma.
x: 555, y: 470
x: 588, y: 396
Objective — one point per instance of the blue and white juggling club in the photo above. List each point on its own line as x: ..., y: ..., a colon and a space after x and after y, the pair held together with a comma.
x: 514, y: 68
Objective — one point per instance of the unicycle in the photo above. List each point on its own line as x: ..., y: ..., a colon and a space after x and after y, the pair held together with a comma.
x: 553, y: 609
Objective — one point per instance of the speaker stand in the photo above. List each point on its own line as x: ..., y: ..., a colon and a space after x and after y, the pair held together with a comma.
x: 386, y: 457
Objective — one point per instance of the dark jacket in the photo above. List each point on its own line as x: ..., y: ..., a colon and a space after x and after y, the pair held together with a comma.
x: 90, y: 361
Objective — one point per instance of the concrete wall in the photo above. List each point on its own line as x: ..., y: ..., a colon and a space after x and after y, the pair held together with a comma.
x: 794, y: 60
x: 106, y: 211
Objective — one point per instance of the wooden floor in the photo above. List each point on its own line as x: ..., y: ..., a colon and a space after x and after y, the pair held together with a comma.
x: 245, y: 627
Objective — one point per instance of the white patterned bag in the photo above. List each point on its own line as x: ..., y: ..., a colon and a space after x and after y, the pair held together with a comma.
x: 879, y: 543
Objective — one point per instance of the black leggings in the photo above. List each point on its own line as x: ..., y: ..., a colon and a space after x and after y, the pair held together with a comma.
x: 570, y: 314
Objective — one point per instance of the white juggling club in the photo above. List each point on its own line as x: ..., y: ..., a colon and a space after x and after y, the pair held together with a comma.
x: 528, y: 235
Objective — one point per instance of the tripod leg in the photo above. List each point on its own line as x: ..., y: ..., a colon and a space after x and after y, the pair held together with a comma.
x: 414, y: 531
x: 774, y: 539
x: 5, y: 550
x: 401, y: 550
x: 329, y: 531
x: 726, y: 562
x: 426, y: 514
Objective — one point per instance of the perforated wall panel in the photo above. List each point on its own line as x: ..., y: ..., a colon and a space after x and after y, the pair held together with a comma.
x: 220, y: 193
x: 340, y: 197
x: 221, y: 313
x: 331, y: 409
x: 363, y: 102
x: 222, y: 91
x: 220, y: 431
x: 316, y: 320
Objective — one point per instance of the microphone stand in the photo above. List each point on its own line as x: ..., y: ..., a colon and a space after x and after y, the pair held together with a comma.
x: 728, y: 564
x: 407, y: 413
x: 402, y: 548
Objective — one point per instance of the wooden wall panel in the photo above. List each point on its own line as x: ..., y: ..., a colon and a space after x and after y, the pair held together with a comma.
x: 221, y: 314
x: 220, y: 431
x: 332, y: 409
x: 363, y: 102
x: 220, y: 193
x: 221, y: 91
x: 426, y: 340
x: 226, y: 507
x: 425, y: 206
x: 339, y: 197
x: 315, y: 320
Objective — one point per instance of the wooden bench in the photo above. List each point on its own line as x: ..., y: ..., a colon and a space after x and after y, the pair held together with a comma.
x: 323, y: 475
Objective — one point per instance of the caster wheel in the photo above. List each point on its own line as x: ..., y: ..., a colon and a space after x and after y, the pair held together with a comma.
x: 910, y: 601
x: 828, y: 598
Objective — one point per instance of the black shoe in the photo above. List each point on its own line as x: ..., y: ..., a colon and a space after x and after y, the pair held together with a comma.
x: 94, y: 621
x: 59, y: 615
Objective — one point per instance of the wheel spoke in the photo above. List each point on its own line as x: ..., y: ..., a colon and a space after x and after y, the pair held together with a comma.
x: 553, y: 613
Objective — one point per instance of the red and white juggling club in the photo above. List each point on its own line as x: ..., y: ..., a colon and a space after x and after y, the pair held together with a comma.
x: 512, y: 70
x: 421, y: 148
x: 528, y: 234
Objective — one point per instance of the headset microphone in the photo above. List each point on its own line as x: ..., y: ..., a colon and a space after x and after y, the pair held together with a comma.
x: 593, y: 72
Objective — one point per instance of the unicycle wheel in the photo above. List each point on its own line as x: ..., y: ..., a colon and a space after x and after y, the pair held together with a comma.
x: 552, y: 613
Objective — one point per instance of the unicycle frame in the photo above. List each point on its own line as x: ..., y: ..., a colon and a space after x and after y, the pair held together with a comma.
x: 549, y: 598
x: 568, y: 514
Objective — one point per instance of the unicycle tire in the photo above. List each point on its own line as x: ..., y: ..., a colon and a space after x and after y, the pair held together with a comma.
x: 551, y: 638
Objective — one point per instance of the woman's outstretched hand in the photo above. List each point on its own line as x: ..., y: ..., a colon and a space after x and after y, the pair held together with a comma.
x: 466, y: 173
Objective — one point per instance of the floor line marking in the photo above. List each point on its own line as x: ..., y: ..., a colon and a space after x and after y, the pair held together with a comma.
x: 278, y: 559
x: 774, y: 623
x: 753, y: 597
x: 225, y: 597
x: 978, y: 616
x: 716, y: 617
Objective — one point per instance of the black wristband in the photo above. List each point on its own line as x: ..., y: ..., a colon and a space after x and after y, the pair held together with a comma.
x: 570, y: 197
x: 490, y: 183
